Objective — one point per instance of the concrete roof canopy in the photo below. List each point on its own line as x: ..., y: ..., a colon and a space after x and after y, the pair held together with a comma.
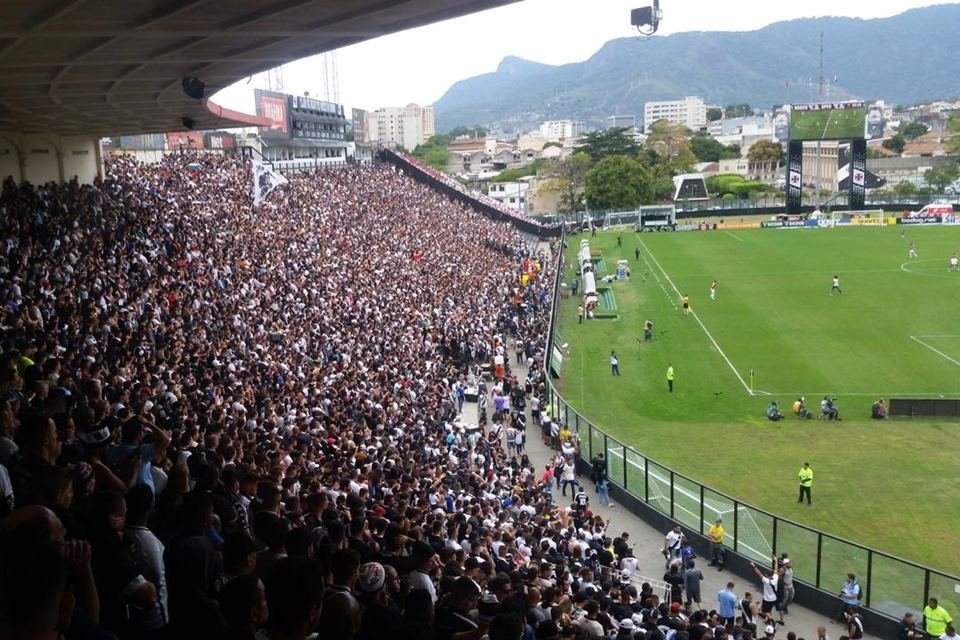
x: 112, y: 67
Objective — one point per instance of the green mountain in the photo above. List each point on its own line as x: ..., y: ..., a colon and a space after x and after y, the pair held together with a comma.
x: 903, y: 59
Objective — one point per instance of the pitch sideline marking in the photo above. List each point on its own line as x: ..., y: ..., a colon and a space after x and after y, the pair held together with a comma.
x: 734, y: 236
x: 699, y: 321
x: 670, y: 298
x: 935, y: 350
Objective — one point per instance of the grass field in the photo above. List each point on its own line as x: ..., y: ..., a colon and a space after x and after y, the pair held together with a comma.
x: 830, y: 124
x: 892, y: 332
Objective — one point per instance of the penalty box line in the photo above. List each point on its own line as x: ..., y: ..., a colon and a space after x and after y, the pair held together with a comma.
x: 934, y: 349
x: 710, y: 337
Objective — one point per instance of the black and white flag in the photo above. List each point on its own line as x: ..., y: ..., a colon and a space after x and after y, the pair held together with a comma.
x: 265, y: 180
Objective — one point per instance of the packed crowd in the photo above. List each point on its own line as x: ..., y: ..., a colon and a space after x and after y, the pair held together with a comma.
x: 509, y: 212
x: 222, y: 421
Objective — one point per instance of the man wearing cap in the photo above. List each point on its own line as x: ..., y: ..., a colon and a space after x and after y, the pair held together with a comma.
x: 625, y: 629
x: 379, y: 618
x: 716, y: 544
x: 453, y: 615
x: 788, y: 590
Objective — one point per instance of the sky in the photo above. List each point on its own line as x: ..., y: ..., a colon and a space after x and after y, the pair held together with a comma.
x: 421, y: 64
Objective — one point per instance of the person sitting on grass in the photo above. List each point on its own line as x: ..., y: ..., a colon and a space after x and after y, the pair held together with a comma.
x: 879, y: 410
x: 800, y: 408
x: 828, y: 410
x: 773, y: 411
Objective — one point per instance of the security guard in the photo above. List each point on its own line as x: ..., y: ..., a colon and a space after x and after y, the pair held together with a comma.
x: 806, y: 481
x: 716, y: 544
x: 670, y: 377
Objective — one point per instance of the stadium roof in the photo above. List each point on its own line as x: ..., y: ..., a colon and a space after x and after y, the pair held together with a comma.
x: 117, y: 66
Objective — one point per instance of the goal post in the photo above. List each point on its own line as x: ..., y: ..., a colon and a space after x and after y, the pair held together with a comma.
x: 860, y: 218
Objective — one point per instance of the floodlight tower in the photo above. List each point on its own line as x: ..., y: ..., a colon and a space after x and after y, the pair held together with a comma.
x: 274, y: 79
x: 331, y: 77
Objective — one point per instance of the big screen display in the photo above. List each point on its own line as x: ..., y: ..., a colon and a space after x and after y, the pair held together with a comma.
x: 828, y: 121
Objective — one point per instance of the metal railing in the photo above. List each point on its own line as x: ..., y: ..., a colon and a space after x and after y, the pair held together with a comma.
x: 890, y: 585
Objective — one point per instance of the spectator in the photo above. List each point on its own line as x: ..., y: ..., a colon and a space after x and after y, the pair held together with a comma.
x: 294, y: 589
x: 849, y: 594
x: 908, y: 628
x: 40, y: 605
x: 243, y: 603
x: 128, y: 601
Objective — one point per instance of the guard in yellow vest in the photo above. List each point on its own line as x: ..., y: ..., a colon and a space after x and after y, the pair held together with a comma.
x: 806, y: 481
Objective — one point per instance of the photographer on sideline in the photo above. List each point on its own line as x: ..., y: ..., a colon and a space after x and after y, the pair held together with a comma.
x: 828, y: 409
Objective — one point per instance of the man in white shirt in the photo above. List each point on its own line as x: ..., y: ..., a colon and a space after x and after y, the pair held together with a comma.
x: 671, y: 544
x: 424, y: 559
x: 569, y: 477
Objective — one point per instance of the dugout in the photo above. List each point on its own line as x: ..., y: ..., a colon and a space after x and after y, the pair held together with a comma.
x: 925, y: 407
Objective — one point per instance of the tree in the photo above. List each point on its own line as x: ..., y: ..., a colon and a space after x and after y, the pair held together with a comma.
x: 904, y: 188
x: 737, y: 110
x: 895, y: 143
x: 736, y: 186
x: 618, y: 182
x: 567, y: 177
x: 765, y: 152
x: 612, y: 142
x: 912, y: 130
x: 476, y: 131
x: 514, y: 174
x: 714, y: 114
x: 708, y: 149
x: 954, y: 140
x: 434, y: 152
x: 942, y: 176
x: 671, y: 145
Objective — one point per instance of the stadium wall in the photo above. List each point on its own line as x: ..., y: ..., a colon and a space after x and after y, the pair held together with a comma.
x: 40, y: 158
x: 822, y: 599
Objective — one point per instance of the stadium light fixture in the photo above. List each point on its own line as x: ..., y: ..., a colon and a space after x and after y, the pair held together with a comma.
x: 646, y: 19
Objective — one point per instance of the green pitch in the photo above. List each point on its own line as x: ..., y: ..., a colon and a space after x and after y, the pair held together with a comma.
x: 836, y: 124
x: 893, y: 332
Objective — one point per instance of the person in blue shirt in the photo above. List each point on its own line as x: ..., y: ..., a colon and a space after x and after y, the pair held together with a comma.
x: 850, y: 594
x: 727, y: 600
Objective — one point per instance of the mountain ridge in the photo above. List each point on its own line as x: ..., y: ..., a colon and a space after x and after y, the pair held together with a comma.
x: 902, y: 59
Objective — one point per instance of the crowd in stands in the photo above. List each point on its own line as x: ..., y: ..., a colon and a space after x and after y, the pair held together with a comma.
x: 509, y: 212
x: 222, y: 421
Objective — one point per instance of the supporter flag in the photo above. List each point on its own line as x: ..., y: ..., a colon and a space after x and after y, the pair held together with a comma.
x: 265, y: 180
